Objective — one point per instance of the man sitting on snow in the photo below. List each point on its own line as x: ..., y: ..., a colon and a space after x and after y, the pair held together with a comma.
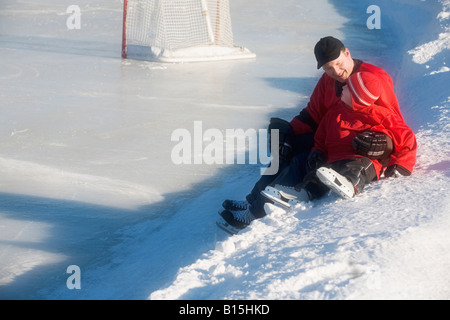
x: 338, y: 165
x: 297, y: 137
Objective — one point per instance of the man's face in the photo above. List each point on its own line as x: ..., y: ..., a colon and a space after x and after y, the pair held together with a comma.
x: 341, y: 68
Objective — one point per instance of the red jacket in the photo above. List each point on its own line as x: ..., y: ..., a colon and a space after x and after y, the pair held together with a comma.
x: 324, y: 98
x: 342, y: 123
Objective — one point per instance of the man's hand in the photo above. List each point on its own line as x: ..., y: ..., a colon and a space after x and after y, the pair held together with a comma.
x: 285, y: 137
x: 396, y: 171
x: 316, y: 159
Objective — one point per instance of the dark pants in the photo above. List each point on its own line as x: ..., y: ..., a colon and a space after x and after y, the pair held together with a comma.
x: 360, y: 171
x: 290, y: 173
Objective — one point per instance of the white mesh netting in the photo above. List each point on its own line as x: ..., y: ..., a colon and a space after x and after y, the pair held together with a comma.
x: 180, y: 30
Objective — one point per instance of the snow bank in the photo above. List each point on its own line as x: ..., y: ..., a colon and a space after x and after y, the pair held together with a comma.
x: 425, y: 52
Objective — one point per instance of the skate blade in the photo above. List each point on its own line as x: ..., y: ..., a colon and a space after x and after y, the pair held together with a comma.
x: 225, y: 226
x: 336, y: 182
x: 302, y: 196
x: 275, y: 199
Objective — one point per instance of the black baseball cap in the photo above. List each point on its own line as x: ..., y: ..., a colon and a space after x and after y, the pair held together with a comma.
x: 327, y: 49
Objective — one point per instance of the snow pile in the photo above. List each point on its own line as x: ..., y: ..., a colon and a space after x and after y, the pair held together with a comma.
x: 427, y: 51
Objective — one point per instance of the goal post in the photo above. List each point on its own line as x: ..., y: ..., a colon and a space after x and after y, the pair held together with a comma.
x: 179, y: 31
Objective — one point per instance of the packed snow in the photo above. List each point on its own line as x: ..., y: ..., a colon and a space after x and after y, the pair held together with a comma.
x: 87, y: 178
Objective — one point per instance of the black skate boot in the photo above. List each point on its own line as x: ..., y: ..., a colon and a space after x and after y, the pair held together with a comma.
x: 235, y: 221
x: 235, y: 205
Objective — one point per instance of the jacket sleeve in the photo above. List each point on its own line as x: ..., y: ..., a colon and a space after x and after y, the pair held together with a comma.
x: 320, y: 138
x: 404, y: 141
x: 308, y: 119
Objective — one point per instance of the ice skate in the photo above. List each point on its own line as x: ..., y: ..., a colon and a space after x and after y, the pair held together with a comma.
x: 235, y: 205
x: 336, y: 182
x: 286, y: 196
x: 235, y: 221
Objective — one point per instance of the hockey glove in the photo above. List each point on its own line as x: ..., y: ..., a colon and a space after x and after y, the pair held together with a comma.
x: 285, y: 137
x: 313, y: 186
x: 396, y: 171
x: 316, y: 159
x: 373, y: 145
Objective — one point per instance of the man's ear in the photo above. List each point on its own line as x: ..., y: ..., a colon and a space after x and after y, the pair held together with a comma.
x: 347, y: 53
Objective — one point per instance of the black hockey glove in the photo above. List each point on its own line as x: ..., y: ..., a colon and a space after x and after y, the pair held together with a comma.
x: 373, y: 145
x: 313, y: 186
x: 396, y: 171
x: 316, y: 159
x: 285, y: 137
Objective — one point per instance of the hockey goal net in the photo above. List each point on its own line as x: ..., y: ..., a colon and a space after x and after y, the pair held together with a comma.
x: 179, y: 31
